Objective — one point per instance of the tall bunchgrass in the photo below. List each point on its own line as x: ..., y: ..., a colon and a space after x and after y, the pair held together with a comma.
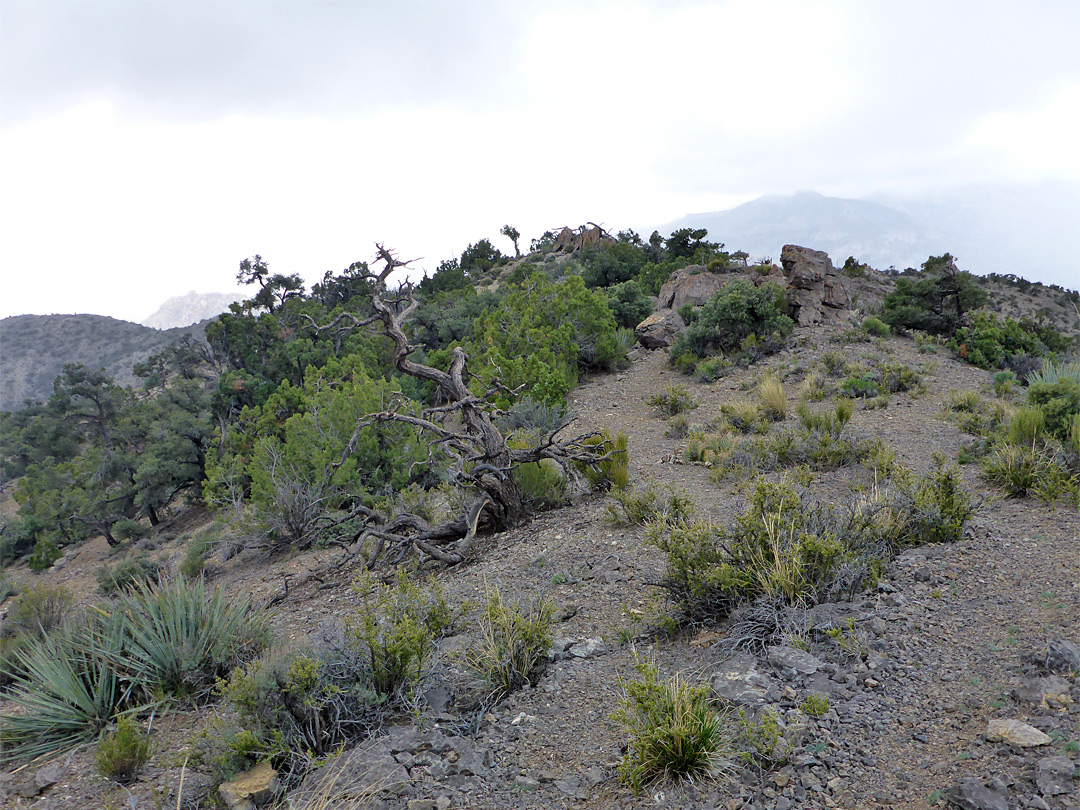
x: 772, y: 399
x: 513, y: 643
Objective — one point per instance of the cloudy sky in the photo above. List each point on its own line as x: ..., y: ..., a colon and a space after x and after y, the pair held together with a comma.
x: 147, y: 146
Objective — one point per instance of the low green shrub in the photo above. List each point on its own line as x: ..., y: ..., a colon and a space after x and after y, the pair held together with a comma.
x: 674, y: 731
x: 398, y: 624
x: 115, y: 578
x: 299, y: 707
x: 542, y: 484
x: 991, y: 342
x: 674, y: 399
x: 612, y: 472
x: 789, y: 547
x: 815, y: 705
x: 513, y: 643
x: 645, y: 506
x: 876, y: 327
x: 761, y: 741
x: 38, y: 610
x: 1046, y: 471
x: 1005, y: 382
x: 123, y: 751
x: 740, y: 321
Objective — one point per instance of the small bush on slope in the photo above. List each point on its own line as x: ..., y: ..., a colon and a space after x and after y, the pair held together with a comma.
x: 674, y: 731
x: 790, y: 547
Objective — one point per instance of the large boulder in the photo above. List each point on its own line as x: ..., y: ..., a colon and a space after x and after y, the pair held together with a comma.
x: 690, y: 285
x: 659, y: 329
x: 813, y: 284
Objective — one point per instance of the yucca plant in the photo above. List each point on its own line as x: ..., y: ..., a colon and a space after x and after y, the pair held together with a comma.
x: 184, y: 639
x: 73, y: 684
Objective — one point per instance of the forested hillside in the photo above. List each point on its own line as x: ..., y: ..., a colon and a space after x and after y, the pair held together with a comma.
x: 496, y: 511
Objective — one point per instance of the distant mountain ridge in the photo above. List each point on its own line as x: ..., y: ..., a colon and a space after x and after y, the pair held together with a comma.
x: 192, y: 307
x: 992, y: 229
x: 35, y: 348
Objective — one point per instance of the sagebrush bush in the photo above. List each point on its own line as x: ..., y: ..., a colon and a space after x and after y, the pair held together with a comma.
x: 512, y: 645
x: 123, y: 751
x: 38, y: 610
x: 673, y: 730
x: 301, y: 706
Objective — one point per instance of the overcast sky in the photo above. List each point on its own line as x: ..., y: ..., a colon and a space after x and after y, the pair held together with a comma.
x: 147, y: 146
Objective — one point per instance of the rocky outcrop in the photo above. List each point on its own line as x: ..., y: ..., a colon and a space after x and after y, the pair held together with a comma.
x: 813, y: 284
x: 571, y: 240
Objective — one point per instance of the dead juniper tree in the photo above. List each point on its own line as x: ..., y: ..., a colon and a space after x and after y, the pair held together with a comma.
x: 462, y: 427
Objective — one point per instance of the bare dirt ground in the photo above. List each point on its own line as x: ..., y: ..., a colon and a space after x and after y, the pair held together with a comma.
x: 956, y: 632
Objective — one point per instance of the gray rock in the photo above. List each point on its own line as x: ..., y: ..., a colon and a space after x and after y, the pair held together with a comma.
x: 593, y: 776
x: 1054, y: 775
x: 1062, y: 656
x: 1043, y: 691
x: 589, y: 647
x: 740, y: 683
x: 788, y: 658
x: 351, y: 775
x: 971, y: 794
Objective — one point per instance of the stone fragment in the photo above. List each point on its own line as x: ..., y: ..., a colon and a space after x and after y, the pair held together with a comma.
x: 1043, y: 691
x: 587, y: 648
x: 788, y: 658
x: 1015, y: 732
x: 1054, y: 775
x: 971, y: 794
x: 1062, y: 656
x: 250, y: 789
x: 738, y: 682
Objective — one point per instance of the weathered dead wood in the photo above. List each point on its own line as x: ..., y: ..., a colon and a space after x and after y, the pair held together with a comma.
x: 462, y: 427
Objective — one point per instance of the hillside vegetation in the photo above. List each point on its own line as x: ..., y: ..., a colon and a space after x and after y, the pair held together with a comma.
x: 34, y: 349
x: 467, y: 543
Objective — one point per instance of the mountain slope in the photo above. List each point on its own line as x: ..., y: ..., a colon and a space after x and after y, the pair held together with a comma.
x: 35, y: 348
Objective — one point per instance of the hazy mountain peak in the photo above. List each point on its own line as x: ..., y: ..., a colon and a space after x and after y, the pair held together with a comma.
x: 192, y: 307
